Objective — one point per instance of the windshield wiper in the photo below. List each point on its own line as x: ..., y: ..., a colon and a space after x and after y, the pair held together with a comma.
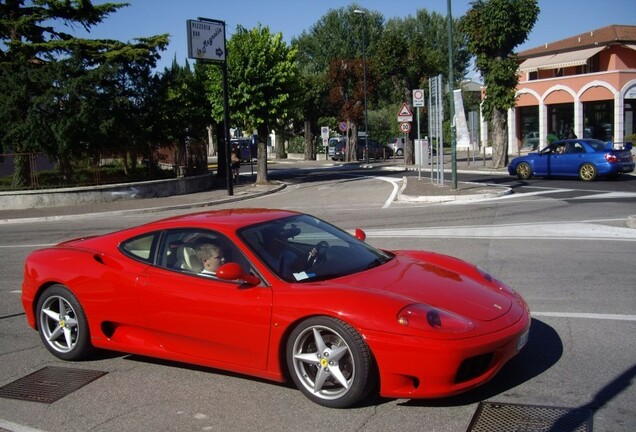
x: 377, y: 262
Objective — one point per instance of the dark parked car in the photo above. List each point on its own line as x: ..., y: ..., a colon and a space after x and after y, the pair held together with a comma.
x: 338, y: 149
x: 247, y: 147
x: 585, y: 158
x: 375, y: 149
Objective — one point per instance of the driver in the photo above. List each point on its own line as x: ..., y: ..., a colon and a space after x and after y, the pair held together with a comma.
x: 211, y: 256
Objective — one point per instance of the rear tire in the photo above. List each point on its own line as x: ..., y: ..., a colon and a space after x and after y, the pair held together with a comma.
x: 587, y: 172
x: 62, y: 324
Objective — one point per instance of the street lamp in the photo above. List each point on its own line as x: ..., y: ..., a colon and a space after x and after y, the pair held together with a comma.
x: 364, y: 83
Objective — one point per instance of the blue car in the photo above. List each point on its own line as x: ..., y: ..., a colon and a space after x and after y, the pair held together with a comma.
x: 583, y: 158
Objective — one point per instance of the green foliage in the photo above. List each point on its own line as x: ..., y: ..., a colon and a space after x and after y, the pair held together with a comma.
x: 262, y: 82
x: 494, y: 29
x: 65, y: 96
x: 262, y: 79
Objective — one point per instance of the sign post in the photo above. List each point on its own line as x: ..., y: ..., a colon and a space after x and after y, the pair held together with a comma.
x: 206, y: 42
x: 324, y: 134
x: 418, y: 101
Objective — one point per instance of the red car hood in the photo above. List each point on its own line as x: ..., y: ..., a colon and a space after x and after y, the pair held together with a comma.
x: 441, y: 285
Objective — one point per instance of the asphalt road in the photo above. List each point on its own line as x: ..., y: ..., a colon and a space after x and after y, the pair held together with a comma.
x: 562, y: 244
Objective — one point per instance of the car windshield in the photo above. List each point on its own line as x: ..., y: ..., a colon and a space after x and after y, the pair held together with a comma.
x: 304, y: 248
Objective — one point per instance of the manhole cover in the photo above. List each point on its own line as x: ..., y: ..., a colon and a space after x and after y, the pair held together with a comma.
x: 49, y: 384
x: 500, y: 417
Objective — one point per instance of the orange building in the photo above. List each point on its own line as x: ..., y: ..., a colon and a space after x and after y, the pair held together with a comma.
x: 585, y: 84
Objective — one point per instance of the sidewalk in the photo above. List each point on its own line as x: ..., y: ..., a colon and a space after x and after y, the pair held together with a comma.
x: 145, y: 205
x: 412, y: 190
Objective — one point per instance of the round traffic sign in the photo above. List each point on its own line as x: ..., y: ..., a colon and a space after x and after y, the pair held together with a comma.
x: 405, y: 127
x: 342, y: 126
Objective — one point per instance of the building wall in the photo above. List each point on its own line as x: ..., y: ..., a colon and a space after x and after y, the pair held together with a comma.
x: 615, y: 82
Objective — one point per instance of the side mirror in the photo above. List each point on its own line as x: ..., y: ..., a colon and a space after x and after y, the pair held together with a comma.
x: 234, y: 272
x: 360, y: 235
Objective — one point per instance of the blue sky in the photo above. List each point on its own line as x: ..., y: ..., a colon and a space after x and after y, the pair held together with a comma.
x: 558, y: 18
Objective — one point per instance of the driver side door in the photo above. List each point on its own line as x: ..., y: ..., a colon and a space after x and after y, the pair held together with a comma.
x: 201, y: 316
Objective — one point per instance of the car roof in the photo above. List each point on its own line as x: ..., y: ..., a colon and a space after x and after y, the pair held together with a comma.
x: 236, y: 218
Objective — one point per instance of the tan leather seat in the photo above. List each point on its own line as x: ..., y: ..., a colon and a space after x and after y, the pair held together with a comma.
x: 188, y: 259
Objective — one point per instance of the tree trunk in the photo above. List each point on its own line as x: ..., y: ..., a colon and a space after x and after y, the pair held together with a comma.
x: 22, y: 171
x: 211, y: 144
x: 261, y: 164
x: 309, y: 141
x: 279, y: 146
x: 500, y: 142
x: 352, y: 145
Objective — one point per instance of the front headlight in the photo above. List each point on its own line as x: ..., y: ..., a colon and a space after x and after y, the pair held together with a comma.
x: 424, y: 317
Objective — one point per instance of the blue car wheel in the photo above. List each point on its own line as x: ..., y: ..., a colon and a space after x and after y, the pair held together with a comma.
x: 587, y: 172
x: 524, y: 171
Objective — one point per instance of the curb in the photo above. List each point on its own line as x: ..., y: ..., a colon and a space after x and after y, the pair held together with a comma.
x: 500, y: 191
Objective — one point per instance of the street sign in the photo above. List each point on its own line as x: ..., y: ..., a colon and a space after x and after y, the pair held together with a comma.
x: 342, y: 126
x: 404, y: 114
x: 206, y: 40
x: 418, y: 98
x: 405, y: 127
x: 324, y: 132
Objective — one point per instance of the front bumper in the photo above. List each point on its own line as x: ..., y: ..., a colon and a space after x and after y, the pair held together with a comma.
x: 423, y: 368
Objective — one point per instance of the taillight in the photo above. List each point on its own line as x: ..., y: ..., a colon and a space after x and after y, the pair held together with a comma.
x: 611, y: 158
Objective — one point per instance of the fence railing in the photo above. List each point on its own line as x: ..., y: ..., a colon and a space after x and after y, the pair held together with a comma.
x: 112, y: 165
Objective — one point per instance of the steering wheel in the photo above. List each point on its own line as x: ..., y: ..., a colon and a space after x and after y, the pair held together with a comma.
x: 319, y: 255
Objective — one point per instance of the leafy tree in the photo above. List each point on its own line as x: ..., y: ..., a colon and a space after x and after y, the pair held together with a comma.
x: 183, y: 111
x: 414, y: 49
x: 495, y: 28
x: 262, y: 84
x: 333, y: 48
x: 44, y: 70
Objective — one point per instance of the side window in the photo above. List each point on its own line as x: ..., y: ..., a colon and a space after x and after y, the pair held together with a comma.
x: 140, y: 248
x: 198, y: 252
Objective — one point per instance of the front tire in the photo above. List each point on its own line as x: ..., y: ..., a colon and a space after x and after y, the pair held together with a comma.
x: 524, y: 171
x: 62, y: 324
x: 330, y: 362
x: 587, y: 172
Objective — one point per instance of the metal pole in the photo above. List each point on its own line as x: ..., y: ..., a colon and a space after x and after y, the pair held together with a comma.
x: 419, y: 145
x: 364, y: 83
x: 451, y: 84
x: 226, y: 127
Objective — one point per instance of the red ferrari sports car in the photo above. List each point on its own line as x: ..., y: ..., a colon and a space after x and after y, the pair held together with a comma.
x: 278, y: 295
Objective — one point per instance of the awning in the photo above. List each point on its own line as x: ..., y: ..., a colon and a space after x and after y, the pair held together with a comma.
x: 532, y: 64
x: 558, y: 61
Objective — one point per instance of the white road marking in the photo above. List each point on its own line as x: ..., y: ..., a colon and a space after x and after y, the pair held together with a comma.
x: 606, y: 195
x: 14, y: 427
x: 532, y: 231
x: 615, y: 317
